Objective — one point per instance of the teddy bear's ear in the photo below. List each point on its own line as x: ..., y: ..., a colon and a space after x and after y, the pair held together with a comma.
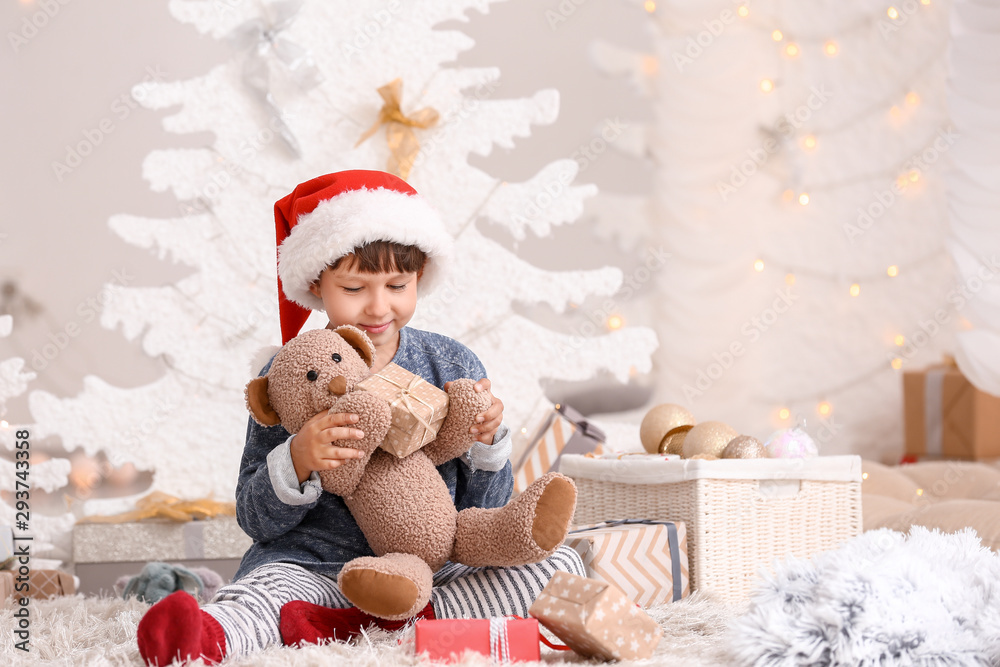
x: 259, y: 404
x: 357, y: 339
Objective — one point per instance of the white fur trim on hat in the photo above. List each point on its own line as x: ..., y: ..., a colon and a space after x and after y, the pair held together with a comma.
x: 338, y: 225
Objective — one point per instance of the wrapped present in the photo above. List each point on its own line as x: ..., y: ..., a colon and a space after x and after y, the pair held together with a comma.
x: 945, y: 416
x: 6, y: 547
x: 563, y: 431
x: 595, y: 618
x: 42, y: 584
x: 418, y: 408
x: 646, y: 559
x: 503, y: 639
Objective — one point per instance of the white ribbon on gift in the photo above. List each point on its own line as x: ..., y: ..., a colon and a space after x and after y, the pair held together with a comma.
x: 934, y: 410
x: 499, y: 641
x: 259, y: 37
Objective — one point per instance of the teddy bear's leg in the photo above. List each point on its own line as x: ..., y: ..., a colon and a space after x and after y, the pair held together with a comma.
x: 375, y: 417
x: 453, y: 438
x: 528, y: 529
x: 393, y: 586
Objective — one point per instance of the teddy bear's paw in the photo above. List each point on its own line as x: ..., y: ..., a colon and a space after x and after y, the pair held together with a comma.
x: 394, y: 587
x: 527, y: 530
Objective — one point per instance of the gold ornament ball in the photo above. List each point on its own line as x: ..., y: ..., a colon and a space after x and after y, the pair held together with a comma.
x: 744, y: 447
x: 673, y: 441
x: 660, y: 420
x: 708, y: 438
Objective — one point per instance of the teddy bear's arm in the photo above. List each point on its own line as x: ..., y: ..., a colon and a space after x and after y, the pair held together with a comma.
x: 375, y: 418
x: 454, y: 439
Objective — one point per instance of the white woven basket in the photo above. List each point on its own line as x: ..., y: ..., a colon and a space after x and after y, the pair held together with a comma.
x: 740, y: 515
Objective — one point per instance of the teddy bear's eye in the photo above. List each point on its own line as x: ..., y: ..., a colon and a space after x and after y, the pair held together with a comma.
x: 312, y: 375
x: 337, y: 357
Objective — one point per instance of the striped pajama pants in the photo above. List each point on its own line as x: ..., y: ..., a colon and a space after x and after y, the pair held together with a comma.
x: 249, y: 610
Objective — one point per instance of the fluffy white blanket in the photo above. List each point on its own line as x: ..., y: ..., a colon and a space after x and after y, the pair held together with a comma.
x: 883, y: 599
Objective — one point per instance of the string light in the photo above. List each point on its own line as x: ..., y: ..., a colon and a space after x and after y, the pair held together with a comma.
x: 925, y: 2
x: 855, y: 289
x: 4, y: 423
x: 743, y: 11
x: 777, y: 36
x: 650, y: 6
x: 615, y: 322
x: 914, y: 176
x: 864, y: 475
x: 824, y: 408
x: 788, y: 195
x: 789, y: 279
x: 784, y: 413
x: 920, y: 492
x: 830, y: 48
x: 893, y: 13
x: 809, y: 142
x: 766, y: 85
x: 804, y: 199
x: 899, y: 340
x: 792, y: 50
x: 897, y: 363
x: 758, y: 265
x: 892, y: 271
x: 912, y: 99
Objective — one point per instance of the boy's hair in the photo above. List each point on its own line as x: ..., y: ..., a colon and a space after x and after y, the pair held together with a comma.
x: 383, y: 257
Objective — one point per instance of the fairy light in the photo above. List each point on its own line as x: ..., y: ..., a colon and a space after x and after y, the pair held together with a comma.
x: 743, y: 11
x: 892, y: 271
x: 912, y: 99
x: 792, y: 50
x: 855, y: 289
x: 925, y: 2
x: 895, y: 112
x: 864, y: 475
x: 766, y: 85
x: 524, y: 430
x: 790, y: 279
x: 809, y: 142
x: 4, y: 423
x: 897, y: 363
x: 758, y: 266
x: 804, y: 199
x: 830, y: 48
x: 788, y: 195
x: 899, y: 340
x: 914, y: 176
x: 777, y: 36
x: 824, y: 408
x: 920, y: 492
x: 615, y: 322
x: 784, y: 413
x: 893, y: 13
x: 650, y: 6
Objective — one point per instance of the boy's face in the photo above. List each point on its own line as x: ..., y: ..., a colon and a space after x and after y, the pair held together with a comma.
x: 380, y: 304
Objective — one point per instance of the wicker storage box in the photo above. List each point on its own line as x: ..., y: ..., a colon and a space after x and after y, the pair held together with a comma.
x: 740, y: 514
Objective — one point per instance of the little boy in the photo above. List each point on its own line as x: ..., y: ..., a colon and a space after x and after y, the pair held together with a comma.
x: 361, y: 246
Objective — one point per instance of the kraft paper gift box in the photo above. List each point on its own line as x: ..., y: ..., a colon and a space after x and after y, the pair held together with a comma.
x: 945, y: 416
x: 418, y: 408
x: 646, y: 559
x: 595, y: 618
x: 42, y: 584
x: 563, y: 430
x: 503, y: 639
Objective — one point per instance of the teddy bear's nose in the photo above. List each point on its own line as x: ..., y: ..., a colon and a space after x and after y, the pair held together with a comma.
x: 338, y: 386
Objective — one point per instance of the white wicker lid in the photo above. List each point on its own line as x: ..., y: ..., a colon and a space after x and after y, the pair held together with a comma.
x: 653, y: 469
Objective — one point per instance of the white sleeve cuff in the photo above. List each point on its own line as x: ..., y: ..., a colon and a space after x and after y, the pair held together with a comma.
x: 284, y: 480
x: 490, y: 457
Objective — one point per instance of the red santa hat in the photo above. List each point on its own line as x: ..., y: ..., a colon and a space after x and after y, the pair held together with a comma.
x: 327, y: 217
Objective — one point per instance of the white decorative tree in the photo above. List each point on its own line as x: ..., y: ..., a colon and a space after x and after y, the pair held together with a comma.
x: 290, y: 105
x: 798, y: 189
x: 19, y: 481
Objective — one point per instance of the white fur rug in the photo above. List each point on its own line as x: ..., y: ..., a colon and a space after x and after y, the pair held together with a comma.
x: 884, y: 598
x: 95, y: 632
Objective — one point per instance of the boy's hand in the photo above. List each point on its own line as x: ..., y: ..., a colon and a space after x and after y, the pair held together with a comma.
x: 311, y: 448
x: 487, y: 423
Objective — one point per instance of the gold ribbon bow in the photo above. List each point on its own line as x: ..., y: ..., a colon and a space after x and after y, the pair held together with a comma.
x: 405, y: 395
x: 399, y: 134
x: 159, y: 505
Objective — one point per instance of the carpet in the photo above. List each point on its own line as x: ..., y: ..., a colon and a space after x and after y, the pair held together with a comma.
x: 100, y: 632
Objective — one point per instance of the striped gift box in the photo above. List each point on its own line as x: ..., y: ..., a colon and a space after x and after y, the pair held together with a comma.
x: 563, y: 431
x: 646, y: 559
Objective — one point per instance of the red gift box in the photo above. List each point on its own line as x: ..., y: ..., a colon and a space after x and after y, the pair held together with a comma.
x: 504, y: 639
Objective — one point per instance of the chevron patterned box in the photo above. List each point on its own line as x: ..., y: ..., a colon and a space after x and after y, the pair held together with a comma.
x: 560, y: 430
x: 647, y: 560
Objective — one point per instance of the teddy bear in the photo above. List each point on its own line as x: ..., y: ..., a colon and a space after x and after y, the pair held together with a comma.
x: 402, y: 505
